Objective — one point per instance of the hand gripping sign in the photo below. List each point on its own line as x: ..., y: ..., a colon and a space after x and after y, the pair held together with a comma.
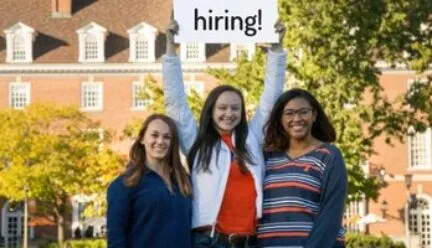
x: 225, y: 21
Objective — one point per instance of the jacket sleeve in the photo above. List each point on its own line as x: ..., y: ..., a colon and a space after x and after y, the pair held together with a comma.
x: 273, y: 85
x: 176, y: 102
x: 118, y: 214
x: 328, y: 223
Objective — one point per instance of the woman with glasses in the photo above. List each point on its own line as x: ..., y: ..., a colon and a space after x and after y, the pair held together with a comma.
x: 305, y: 182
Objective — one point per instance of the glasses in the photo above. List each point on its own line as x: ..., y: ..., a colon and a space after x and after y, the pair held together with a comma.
x: 291, y: 113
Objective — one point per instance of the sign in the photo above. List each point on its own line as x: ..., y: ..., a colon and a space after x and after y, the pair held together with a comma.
x: 226, y: 21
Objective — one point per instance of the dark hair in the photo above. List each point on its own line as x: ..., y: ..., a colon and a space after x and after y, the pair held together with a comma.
x: 277, y: 139
x: 208, y: 134
x: 172, y: 169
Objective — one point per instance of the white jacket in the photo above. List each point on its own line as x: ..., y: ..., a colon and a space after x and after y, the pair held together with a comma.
x: 209, y: 187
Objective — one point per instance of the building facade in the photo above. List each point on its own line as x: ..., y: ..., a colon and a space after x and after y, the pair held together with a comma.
x: 96, y: 55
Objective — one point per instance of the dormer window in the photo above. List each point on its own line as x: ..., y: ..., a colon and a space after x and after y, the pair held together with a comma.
x: 142, y: 39
x: 237, y: 50
x: 92, y: 43
x: 192, y: 52
x: 19, y: 43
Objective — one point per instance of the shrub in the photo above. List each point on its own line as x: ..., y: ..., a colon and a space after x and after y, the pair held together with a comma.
x: 368, y: 241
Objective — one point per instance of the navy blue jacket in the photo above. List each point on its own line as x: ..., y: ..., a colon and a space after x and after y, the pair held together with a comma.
x: 147, y: 215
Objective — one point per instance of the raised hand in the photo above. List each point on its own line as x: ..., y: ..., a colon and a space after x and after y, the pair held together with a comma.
x: 280, y: 29
x: 171, y: 30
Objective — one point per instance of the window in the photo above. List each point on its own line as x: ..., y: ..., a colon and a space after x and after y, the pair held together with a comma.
x: 138, y: 101
x: 419, y: 149
x: 238, y: 49
x: 196, y: 86
x: 419, y: 221
x: 355, y: 210
x: 92, y: 96
x: 19, y: 43
x: 417, y: 82
x: 19, y: 53
x: 91, y: 48
x: 192, y: 52
x: 92, y: 43
x: 142, y: 39
x: 19, y: 95
x: 142, y: 48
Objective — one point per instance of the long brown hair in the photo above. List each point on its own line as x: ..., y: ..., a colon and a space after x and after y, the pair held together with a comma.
x: 276, y: 138
x: 208, y: 136
x: 172, y: 169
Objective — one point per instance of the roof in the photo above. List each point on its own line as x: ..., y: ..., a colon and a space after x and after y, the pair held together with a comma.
x: 57, y: 40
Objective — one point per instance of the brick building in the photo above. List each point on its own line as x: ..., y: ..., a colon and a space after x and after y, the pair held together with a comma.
x: 96, y: 54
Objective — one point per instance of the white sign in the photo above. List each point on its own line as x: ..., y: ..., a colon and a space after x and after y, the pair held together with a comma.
x: 226, y: 21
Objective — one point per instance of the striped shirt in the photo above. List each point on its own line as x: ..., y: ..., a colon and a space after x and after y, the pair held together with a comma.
x: 304, y: 199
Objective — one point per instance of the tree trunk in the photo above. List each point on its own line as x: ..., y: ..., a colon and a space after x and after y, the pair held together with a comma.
x: 60, y: 229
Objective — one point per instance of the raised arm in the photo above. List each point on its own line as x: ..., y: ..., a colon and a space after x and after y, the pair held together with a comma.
x: 174, y: 93
x: 118, y: 215
x: 273, y: 84
x: 327, y: 226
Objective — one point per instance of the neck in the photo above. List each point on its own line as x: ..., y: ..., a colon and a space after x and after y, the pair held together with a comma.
x: 296, y: 144
x: 154, y: 164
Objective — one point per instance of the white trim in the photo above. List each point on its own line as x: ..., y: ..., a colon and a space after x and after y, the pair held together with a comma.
x: 27, y: 86
x: 428, y: 143
x: 198, y: 86
x: 142, y: 30
x: 100, y: 92
x: 4, y: 213
x: 76, y: 199
x: 100, y: 33
x: 28, y: 34
x: 249, y: 48
x: 146, y: 102
x: 415, y: 178
x: 201, y: 52
x: 107, y: 68
x: 420, y: 213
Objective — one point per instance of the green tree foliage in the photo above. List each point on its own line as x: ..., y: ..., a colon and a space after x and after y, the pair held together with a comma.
x: 153, y: 93
x: 334, y: 47
x: 55, y: 152
x: 333, y: 51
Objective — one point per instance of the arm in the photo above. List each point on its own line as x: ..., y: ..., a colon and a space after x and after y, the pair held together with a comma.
x: 329, y: 220
x: 174, y: 93
x: 273, y: 84
x: 118, y: 214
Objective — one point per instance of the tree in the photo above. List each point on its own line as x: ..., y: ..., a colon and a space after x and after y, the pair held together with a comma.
x: 55, y: 152
x: 153, y: 93
x: 333, y: 50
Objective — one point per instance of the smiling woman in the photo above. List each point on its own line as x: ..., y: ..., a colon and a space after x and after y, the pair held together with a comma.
x: 305, y: 180
x: 151, y: 201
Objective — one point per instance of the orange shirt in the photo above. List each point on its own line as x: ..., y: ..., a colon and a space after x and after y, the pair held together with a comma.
x: 238, y: 211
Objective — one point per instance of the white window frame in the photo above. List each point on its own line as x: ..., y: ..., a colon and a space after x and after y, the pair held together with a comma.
x: 201, y: 52
x: 99, y: 106
x: 146, y: 103
x: 411, y: 81
x: 249, y: 48
x: 149, y: 33
x: 428, y: 143
x: 100, y: 33
x: 27, y: 34
x: 198, y: 86
x: 27, y: 86
x: 418, y: 213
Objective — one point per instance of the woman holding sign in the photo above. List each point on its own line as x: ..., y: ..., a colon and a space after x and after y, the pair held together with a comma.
x: 224, y: 151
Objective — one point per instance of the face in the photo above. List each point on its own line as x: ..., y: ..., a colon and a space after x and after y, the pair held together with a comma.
x: 297, y: 118
x: 156, y: 140
x: 227, y: 111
